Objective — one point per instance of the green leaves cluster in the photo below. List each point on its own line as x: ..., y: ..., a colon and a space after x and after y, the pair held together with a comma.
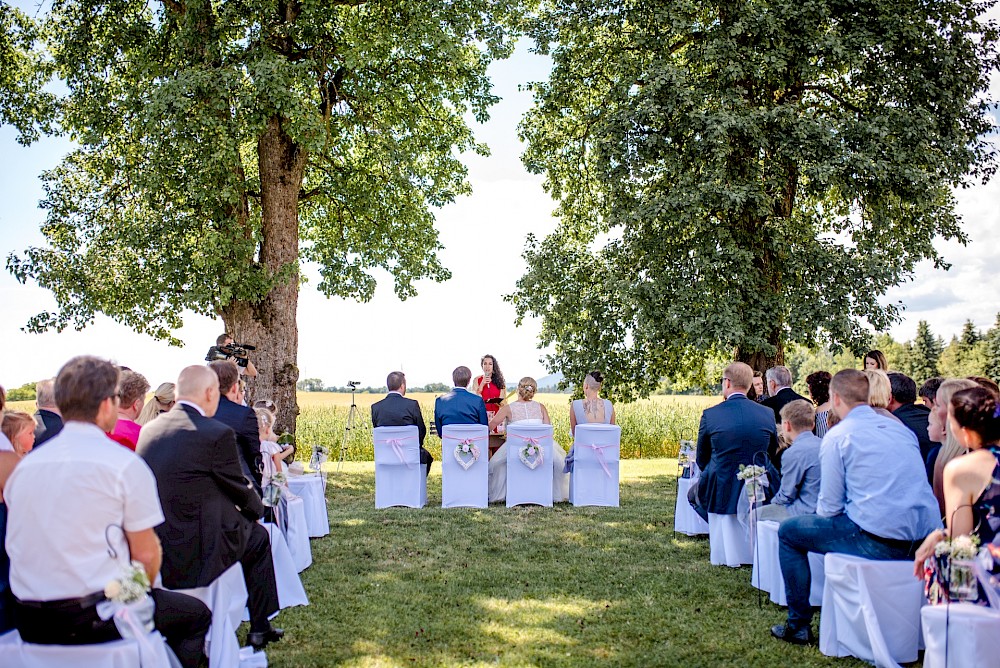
x: 740, y: 176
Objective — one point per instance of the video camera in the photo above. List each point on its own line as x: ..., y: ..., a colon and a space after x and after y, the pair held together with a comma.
x: 353, y: 384
x: 233, y: 351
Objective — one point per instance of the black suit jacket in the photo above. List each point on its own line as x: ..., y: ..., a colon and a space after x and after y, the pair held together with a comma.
x: 915, y: 417
x: 243, y: 421
x: 208, y: 505
x: 49, y: 424
x: 784, y: 396
x: 398, y: 411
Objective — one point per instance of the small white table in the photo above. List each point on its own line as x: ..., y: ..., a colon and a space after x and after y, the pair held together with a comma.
x: 686, y: 520
x: 310, y: 488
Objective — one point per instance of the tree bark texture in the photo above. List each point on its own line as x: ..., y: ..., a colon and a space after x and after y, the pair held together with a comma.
x: 271, y: 324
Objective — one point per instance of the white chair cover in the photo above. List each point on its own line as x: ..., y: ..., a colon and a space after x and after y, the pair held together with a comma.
x: 729, y: 544
x: 297, y: 535
x: 594, y: 479
x: 973, y: 635
x: 526, y: 485
x: 15, y: 653
x: 461, y: 487
x: 686, y: 520
x: 399, y: 477
x: 767, y: 574
x: 226, y: 597
x: 871, y: 610
x: 290, y: 589
x: 310, y: 488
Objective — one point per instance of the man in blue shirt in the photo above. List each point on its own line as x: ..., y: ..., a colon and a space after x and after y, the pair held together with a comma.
x: 799, y: 490
x: 874, y: 500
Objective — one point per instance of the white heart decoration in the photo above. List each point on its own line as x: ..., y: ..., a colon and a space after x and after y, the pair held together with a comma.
x: 530, y: 463
x: 464, y: 464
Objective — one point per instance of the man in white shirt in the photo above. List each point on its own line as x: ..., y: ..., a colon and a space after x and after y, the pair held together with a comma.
x: 65, y: 548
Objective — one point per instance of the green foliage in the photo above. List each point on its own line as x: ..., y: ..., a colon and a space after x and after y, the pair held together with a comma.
x: 310, y: 385
x: 802, y: 361
x: 23, y: 73
x: 991, y: 342
x: 966, y: 355
x: 164, y: 204
x: 24, y: 393
x: 926, y: 351
x: 739, y: 176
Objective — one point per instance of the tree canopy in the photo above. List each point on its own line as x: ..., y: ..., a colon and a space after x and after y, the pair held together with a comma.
x: 732, y: 177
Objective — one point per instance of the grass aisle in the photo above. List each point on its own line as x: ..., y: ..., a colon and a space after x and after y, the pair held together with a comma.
x: 525, y: 587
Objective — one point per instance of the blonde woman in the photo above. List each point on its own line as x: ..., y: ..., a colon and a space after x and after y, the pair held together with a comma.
x: 19, y: 428
x: 525, y: 410
x: 162, y: 401
x: 880, y: 393
x: 939, y: 431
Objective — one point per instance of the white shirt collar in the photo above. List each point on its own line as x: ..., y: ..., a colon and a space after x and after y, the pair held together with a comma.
x: 185, y: 402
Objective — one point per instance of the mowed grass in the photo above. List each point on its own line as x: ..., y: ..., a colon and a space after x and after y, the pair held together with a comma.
x: 526, y: 586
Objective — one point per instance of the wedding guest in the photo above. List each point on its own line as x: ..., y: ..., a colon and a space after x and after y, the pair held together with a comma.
x: 938, y: 430
x: 525, y: 410
x: 972, y: 482
x: 818, y: 383
x: 211, y: 510
x: 5, y: 444
x: 987, y: 383
x: 267, y: 405
x: 880, y: 393
x: 65, y: 548
x: 8, y: 461
x: 929, y: 390
x: 492, y: 387
x: 737, y: 431
x: 799, y: 489
x: 875, y: 359
x: 779, y: 382
x: 273, y: 454
x: 395, y: 410
x: 592, y: 408
x: 19, y: 428
x: 162, y: 401
x: 913, y: 415
x: 47, y: 415
x: 459, y: 406
x: 134, y: 387
x: 242, y: 420
x: 757, y: 391
x: 874, y: 501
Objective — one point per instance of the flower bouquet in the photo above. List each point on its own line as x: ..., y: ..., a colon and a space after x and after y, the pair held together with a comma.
x: 273, y: 489
x: 319, y: 456
x: 755, y: 479
x: 685, y: 459
x: 465, y: 448
x: 950, y: 574
x: 128, y: 602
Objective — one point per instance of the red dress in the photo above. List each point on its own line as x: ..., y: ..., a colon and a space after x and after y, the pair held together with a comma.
x: 490, y: 391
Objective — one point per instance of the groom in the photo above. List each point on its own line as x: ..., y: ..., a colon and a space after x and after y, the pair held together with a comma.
x: 459, y: 406
x: 398, y: 411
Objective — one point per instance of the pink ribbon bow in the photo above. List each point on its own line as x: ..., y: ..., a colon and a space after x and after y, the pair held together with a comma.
x: 599, y: 454
x: 537, y: 443
x: 397, y: 447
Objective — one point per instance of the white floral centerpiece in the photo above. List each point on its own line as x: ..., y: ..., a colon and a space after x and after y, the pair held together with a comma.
x: 755, y: 479
x: 951, y: 571
x: 128, y: 602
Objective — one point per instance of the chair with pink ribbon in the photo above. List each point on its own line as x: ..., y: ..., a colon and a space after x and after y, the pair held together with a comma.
x: 464, y: 466
x: 529, y: 464
x: 399, y: 478
x: 594, y: 480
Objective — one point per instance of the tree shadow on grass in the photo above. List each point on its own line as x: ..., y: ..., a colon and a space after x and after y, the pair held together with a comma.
x: 524, y: 586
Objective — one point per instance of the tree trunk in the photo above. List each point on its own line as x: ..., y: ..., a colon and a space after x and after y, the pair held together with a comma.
x: 759, y: 361
x: 271, y: 324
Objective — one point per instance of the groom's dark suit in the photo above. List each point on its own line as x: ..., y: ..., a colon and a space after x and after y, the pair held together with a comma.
x: 398, y: 411
x: 459, y: 407
x: 211, y: 510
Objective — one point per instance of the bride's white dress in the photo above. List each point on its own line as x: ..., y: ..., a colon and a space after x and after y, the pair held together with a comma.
x: 527, y: 412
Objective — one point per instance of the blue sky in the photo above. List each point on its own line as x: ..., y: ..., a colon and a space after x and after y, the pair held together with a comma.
x: 447, y: 324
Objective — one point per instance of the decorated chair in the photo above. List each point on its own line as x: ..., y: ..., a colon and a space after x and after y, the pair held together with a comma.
x: 400, y: 480
x: 226, y: 597
x: 767, y: 574
x: 311, y: 489
x: 960, y: 634
x: 150, y: 652
x: 464, y: 466
x: 594, y: 479
x: 529, y: 464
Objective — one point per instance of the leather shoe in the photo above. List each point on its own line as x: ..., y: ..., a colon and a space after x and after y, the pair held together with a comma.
x: 802, y: 636
x: 260, y: 639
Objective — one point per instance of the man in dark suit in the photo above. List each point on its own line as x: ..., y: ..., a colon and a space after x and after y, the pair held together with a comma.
x: 47, y: 416
x: 398, y: 411
x: 780, y: 393
x: 240, y: 419
x: 210, y: 509
x: 737, y: 431
x: 459, y: 406
x: 902, y: 404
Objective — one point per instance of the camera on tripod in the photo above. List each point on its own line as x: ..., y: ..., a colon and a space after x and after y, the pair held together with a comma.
x: 232, y: 351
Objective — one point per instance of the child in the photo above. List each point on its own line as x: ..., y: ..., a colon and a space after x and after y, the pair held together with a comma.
x: 272, y: 453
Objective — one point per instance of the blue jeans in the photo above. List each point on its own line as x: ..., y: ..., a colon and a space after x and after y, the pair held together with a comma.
x: 798, y: 536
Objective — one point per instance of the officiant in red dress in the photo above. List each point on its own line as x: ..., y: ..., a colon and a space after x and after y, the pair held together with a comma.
x: 492, y: 388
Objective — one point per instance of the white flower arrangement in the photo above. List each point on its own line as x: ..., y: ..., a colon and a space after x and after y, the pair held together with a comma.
x: 131, y: 586
x: 752, y: 472
x: 960, y: 548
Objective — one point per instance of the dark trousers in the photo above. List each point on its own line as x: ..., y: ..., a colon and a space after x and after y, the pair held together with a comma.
x: 183, y: 620
x: 798, y: 536
x: 426, y: 459
x: 258, y: 573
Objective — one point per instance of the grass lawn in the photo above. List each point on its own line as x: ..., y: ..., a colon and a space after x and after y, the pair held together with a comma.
x: 525, y: 587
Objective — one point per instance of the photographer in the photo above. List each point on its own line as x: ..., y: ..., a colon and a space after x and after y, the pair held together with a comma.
x: 226, y: 349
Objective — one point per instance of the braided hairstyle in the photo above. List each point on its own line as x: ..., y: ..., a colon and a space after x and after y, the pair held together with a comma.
x: 976, y: 409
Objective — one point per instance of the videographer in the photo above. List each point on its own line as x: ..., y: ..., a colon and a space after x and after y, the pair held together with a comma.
x: 226, y: 349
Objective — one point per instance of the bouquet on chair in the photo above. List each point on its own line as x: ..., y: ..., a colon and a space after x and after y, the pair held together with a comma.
x: 950, y: 575
x: 755, y: 479
x: 685, y: 459
x: 318, y: 458
x: 128, y: 602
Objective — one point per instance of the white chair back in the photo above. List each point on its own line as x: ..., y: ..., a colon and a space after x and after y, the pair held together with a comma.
x: 151, y: 653
x: 594, y: 479
x: 464, y: 478
x: 527, y: 485
x: 226, y: 597
x: 400, y: 480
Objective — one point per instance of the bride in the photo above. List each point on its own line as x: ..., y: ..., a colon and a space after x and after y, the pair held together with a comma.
x: 525, y: 411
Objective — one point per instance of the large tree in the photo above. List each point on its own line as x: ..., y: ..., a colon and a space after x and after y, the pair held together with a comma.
x: 220, y: 144
x: 736, y: 176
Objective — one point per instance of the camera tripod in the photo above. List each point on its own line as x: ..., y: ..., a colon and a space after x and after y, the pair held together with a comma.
x: 348, y: 426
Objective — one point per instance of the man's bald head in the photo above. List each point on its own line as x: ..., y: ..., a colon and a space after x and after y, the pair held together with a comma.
x: 199, y: 385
